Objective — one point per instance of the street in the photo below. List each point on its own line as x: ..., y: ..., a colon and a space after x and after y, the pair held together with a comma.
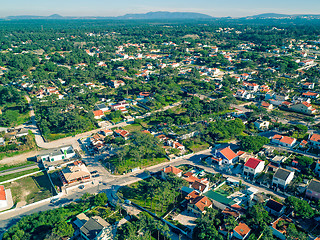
x: 110, y: 184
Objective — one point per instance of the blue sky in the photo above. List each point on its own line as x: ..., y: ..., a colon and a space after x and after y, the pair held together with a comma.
x: 217, y: 8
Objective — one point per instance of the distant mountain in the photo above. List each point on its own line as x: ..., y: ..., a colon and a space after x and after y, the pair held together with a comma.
x: 269, y: 15
x: 20, y: 17
x: 166, y: 15
x: 278, y: 15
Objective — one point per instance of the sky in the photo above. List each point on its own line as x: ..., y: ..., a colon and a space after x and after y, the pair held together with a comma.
x: 215, y: 8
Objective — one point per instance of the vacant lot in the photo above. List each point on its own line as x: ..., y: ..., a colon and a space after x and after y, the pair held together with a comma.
x: 18, y: 174
x: 30, y: 189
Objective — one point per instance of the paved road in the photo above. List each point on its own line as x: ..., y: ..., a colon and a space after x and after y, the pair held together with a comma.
x: 109, y: 184
x: 73, y: 140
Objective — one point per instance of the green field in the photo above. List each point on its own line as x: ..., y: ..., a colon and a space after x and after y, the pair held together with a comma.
x: 30, y: 189
x: 18, y: 174
x: 133, y: 128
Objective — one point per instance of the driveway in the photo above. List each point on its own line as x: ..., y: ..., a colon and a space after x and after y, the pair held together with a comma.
x: 187, y: 219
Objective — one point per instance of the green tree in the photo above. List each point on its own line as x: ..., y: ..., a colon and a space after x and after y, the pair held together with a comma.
x: 63, y: 229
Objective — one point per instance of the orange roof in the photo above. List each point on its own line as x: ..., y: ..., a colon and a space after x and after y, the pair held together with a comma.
x: 310, y: 94
x: 201, y: 202
x: 242, y: 229
x: 192, y: 179
x: 315, y: 137
x: 265, y: 104
x: 146, y: 131
x: 307, y: 104
x: 284, y: 139
x: 172, y: 169
x: 192, y: 195
x: 228, y: 153
x: 98, y: 113
x: 2, y: 193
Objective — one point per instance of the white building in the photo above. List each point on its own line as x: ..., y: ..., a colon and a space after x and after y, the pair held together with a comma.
x: 282, y: 178
x: 58, y: 154
x: 253, y: 167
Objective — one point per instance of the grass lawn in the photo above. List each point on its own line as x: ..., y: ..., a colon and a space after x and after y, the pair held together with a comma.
x: 18, y: 174
x: 132, y: 163
x: 200, y: 147
x: 133, y: 128
x: 30, y: 189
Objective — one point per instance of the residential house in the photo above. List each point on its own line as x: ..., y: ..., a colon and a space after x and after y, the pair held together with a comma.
x: 227, y: 155
x: 303, y: 107
x: 241, y: 231
x: 58, y: 154
x: 280, y: 231
x: 251, y: 86
x: 75, y: 172
x: 178, y: 146
x: 3, y: 197
x: 171, y: 169
x: 198, y: 204
x: 266, y: 105
x: 228, y: 211
x: 262, y: 125
x: 98, y: 114
x: 308, y: 85
x: 283, y: 140
x: 200, y: 185
x: 274, y: 208
x: 282, y: 178
x: 122, y: 133
x: 314, y: 139
x: 253, y: 167
x: 243, y: 94
x: 116, y: 83
x: 106, y: 132
x: 313, y: 190
x: 311, y: 95
x: 96, y: 228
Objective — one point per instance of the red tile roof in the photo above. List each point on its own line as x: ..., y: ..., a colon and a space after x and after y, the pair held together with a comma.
x: 242, y: 229
x: 252, y: 163
x: 201, y: 202
x: 228, y: 153
x: 307, y: 104
x: 2, y: 193
x: 315, y: 137
x: 172, y: 169
x: 284, y: 139
x: 98, y: 113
